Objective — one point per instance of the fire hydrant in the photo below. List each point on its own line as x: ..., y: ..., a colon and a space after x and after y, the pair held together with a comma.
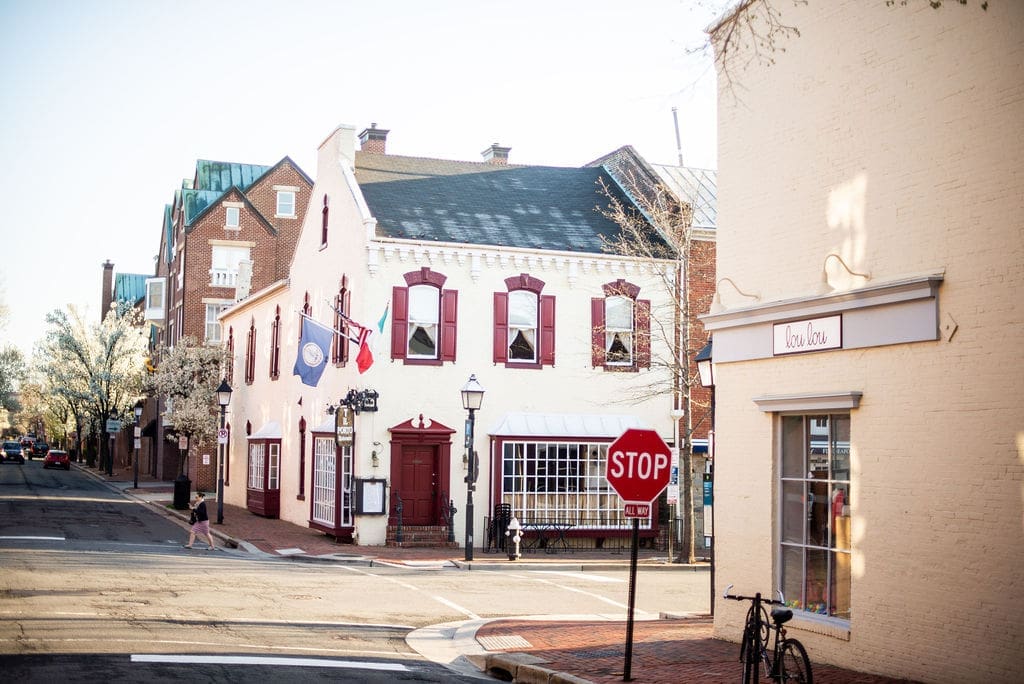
x: 514, y: 534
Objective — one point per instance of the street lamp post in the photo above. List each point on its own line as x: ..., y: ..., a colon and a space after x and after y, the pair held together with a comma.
x: 706, y: 369
x: 223, y: 398
x: 472, y: 398
x: 135, y: 444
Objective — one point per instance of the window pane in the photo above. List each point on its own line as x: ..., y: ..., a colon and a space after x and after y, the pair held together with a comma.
x: 793, y: 576
x: 840, y: 517
x: 817, y: 439
x: 522, y: 309
x: 619, y: 347
x: 522, y: 345
x: 840, y: 586
x: 618, y: 313
x: 816, y: 585
x: 818, y: 509
x: 231, y: 218
x: 793, y: 512
x: 793, y: 446
x: 840, y: 447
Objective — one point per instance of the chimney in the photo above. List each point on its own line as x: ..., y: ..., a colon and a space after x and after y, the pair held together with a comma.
x: 108, y: 288
x: 373, y: 139
x: 496, y: 154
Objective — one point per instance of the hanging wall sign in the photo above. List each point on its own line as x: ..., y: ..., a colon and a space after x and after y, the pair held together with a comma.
x: 343, y: 425
x: 812, y: 334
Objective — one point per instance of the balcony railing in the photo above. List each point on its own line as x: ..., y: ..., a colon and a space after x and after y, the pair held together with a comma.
x: 220, y: 277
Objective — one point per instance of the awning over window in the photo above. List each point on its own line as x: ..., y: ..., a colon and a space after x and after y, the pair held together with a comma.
x: 269, y: 430
x: 326, y: 426
x: 564, y: 425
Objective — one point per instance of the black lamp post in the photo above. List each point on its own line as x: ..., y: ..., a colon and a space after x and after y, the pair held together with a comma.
x: 223, y: 398
x: 138, y: 434
x: 706, y: 368
x: 472, y: 398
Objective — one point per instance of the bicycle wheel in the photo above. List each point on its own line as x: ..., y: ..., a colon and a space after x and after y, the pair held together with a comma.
x: 795, y: 666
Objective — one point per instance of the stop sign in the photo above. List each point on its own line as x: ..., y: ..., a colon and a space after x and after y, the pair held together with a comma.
x: 639, y: 465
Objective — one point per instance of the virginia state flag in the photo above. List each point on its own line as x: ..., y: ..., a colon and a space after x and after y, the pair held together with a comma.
x: 313, y: 349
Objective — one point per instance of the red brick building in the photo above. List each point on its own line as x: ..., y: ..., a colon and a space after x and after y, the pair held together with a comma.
x: 231, y: 230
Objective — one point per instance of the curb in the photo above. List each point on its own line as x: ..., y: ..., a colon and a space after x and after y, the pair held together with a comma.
x: 526, y: 668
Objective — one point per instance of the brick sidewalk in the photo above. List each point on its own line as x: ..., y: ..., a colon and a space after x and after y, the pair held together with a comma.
x: 664, y: 651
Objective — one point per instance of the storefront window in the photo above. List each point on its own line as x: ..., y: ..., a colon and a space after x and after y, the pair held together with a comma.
x: 815, y: 518
x: 560, y: 481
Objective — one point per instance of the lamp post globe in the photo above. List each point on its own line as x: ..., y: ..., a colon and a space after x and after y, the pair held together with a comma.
x: 223, y: 398
x: 472, y: 400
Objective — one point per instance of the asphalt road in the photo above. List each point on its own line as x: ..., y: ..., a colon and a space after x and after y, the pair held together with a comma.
x: 100, y: 585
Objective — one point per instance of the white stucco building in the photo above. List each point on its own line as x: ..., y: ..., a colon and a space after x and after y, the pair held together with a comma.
x: 472, y: 268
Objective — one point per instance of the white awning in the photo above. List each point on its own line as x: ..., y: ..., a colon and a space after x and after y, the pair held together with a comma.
x: 326, y: 426
x: 269, y: 430
x: 564, y: 425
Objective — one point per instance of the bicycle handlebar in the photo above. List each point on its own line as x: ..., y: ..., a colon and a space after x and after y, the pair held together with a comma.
x: 781, y: 601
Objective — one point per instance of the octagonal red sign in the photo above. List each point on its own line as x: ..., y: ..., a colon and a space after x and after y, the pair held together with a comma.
x: 639, y: 465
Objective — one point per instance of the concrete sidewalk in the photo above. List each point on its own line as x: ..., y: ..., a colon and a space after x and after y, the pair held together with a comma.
x: 542, y: 649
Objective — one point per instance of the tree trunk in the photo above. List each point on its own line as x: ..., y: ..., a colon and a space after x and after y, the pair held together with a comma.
x: 686, y: 553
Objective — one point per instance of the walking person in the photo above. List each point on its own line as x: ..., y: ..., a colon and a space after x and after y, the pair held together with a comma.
x: 200, y: 522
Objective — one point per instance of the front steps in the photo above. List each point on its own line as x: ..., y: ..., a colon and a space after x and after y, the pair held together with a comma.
x: 420, y: 536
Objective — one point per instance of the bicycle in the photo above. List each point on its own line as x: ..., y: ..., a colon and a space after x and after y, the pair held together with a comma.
x: 787, y: 661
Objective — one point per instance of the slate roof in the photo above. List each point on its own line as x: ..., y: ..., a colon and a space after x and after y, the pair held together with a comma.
x: 532, y: 207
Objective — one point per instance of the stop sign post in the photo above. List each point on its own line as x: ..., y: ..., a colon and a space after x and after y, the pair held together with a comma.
x: 639, y: 468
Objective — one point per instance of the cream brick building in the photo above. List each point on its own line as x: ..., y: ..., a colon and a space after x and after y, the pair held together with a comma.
x: 869, y: 338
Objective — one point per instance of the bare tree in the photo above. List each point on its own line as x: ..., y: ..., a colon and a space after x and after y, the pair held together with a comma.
x: 657, y: 228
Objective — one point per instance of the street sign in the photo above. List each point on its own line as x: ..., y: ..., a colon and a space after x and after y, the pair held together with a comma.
x: 636, y: 510
x: 113, y: 425
x: 639, y: 466
x: 222, y: 436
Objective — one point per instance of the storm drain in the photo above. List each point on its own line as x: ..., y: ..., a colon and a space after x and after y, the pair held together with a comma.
x: 503, y: 643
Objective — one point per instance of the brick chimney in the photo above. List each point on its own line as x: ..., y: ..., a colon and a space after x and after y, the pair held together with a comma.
x: 108, y: 288
x: 373, y: 139
x: 496, y: 154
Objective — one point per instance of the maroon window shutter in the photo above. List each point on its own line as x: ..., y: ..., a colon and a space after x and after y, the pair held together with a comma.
x: 597, y: 352
x: 547, y: 330
x: 449, y: 320
x: 500, y: 327
x: 346, y: 308
x: 643, y: 333
x: 399, y: 321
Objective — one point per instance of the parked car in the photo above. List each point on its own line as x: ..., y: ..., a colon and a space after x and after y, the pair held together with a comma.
x: 57, y: 459
x: 12, y: 452
x: 39, y: 448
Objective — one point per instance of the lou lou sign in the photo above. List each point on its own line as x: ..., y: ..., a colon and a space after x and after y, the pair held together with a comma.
x: 812, y: 334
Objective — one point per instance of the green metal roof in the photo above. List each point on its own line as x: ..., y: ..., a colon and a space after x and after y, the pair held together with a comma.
x: 219, y: 177
x: 129, y: 287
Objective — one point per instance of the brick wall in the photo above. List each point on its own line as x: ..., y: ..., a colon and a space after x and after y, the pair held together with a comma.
x: 891, y: 136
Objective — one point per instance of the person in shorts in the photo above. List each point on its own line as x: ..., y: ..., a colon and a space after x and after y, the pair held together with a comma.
x: 201, y: 523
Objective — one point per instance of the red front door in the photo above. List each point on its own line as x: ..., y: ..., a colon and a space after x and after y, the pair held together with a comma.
x: 419, y: 484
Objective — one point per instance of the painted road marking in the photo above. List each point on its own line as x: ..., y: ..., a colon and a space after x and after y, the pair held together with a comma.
x: 581, y: 575
x: 26, y: 537
x: 268, y: 660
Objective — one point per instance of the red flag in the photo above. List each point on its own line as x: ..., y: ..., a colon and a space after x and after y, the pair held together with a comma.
x: 365, y: 357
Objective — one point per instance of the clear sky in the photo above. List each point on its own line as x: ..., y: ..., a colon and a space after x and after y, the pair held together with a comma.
x: 107, y: 104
